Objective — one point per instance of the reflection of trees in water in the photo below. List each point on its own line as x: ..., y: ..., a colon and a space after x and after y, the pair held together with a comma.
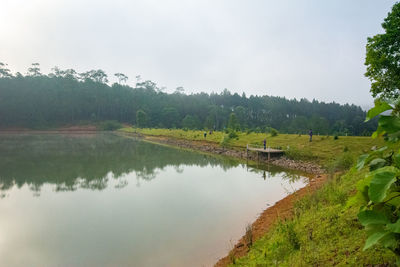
x: 90, y: 161
x: 72, y: 162
x: 271, y: 171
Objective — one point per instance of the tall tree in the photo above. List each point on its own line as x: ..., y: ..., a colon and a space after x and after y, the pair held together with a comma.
x: 4, y: 71
x: 121, y: 77
x: 141, y: 118
x: 34, y: 70
x: 233, y: 122
x: 383, y: 57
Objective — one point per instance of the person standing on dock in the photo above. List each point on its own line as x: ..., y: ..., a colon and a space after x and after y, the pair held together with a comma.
x: 265, y: 143
x: 310, y: 134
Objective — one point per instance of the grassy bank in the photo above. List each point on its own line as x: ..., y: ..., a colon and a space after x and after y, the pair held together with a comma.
x: 324, y: 232
x: 323, y: 150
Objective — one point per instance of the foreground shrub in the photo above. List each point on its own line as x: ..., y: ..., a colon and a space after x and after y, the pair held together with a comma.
x: 379, y: 192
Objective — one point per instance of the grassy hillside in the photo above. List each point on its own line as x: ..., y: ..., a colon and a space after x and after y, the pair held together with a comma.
x: 323, y: 150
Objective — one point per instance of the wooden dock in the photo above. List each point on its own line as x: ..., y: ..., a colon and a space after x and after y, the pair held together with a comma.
x: 267, y: 150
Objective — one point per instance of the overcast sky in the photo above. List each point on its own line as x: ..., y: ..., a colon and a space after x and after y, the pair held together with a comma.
x: 297, y: 48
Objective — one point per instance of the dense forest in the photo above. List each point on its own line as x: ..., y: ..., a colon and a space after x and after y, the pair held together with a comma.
x: 63, y: 97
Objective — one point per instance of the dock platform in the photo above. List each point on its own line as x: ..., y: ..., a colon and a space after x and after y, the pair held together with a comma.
x: 267, y: 150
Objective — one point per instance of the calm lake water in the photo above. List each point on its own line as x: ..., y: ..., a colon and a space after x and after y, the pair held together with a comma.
x: 106, y: 200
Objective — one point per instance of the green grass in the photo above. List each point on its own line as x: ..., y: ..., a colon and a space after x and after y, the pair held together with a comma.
x: 323, y: 150
x: 324, y: 232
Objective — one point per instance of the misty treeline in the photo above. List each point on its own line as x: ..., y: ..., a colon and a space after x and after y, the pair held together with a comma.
x: 63, y: 97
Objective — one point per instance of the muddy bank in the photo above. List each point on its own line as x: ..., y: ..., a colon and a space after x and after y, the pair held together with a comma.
x: 237, y: 153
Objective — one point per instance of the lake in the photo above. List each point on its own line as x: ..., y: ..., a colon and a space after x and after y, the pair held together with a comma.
x: 108, y: 200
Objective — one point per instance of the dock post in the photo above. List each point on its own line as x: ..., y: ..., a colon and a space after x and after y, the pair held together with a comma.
x: 269, y: 153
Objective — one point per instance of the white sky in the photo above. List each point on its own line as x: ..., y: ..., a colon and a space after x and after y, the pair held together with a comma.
x: 292, y: 48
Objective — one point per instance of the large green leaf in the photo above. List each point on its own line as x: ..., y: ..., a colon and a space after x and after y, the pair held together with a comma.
x: 376, y: 164
x: 374, y: 238
x: 394, y: 227
x: 368, y: 217
x: 389, y: 240
x: 396, y: 159
x: 393, y: 198
x: 379, y: 185
x: 389, y: 124
x: 380, y: 107
x: 361, y: 161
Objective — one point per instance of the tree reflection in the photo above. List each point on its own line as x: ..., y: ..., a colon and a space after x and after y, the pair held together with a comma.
x: 89, y: 161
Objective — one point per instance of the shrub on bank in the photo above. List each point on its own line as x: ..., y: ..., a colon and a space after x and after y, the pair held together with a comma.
x: 273, y: 132
x: 110, y: 125
x: 342, y: 163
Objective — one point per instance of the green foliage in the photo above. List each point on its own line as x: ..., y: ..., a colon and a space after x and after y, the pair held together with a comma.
x: 343, y: 162
x: 65, y: 97
x: 190, y: 122
x: 382, y: 57
x: 225, y: 140
x: 170, y: 117
x: 380, y: 106
x: 232, y: 135
x: 273, y: 132
x: 110, y: 125
x: 141, y: 118
x: 233, y: 123
x: 379, y: 193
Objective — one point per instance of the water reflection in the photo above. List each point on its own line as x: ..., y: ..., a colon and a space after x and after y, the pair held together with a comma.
x: 147, y: 205
x: 89, y: 161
